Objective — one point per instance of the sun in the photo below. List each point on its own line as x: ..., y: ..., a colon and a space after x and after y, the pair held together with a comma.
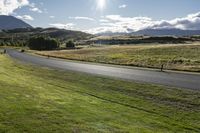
x: 101, y: 4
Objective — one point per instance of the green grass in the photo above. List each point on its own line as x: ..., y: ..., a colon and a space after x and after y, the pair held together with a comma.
x: 43, y: 100
x: 175, y: 57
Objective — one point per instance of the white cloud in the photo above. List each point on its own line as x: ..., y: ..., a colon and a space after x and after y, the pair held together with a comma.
x: 63, y: 26
x: 82, y: 18
x: 35, y: 9
x: 9, y: 6
x: 190, y: 22
x: 52, y: 17
x: 123, y: 6
x: 117, y: 23
x: 104, y: 20
x: 32, y: 5
x: 25, y: 17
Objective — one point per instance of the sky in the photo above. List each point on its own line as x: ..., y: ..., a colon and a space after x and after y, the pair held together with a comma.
x: 106, y: 16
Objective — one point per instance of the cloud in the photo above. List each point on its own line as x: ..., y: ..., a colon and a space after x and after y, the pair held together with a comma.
x: 7, y: 7
x: 119, y: 24
x: 122, y: 6
x: 104, y: 20
x: 25, y: 17
x: 82, y: 18
x: 190, y: 22
x: 35, y: 9
x: 63, y: 26
x: 52, y: 17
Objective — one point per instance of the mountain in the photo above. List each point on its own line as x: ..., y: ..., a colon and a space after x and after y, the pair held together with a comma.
x: 10, y: 22
x: 167, y: 32
x: 156, y: 32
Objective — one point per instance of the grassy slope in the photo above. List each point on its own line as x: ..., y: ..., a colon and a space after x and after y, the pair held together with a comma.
x: 178, y: 57
x: 43, y: 100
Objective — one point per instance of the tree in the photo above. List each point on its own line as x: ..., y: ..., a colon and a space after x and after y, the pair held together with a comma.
x: 41, y: 43
x: 1, y: 43
x: 70, y: 44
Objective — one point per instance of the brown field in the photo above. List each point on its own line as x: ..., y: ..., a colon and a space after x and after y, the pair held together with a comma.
x: 185, y: 57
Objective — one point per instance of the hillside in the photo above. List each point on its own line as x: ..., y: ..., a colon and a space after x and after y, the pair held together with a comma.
x: 15, y: 29
x: 23, y: 34
x: 10, y: 22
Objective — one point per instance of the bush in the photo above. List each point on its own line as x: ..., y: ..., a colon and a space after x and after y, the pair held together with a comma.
x: 70, y: 44
x: 22, y: 50
x: 1, y: 44
x: 41, y: 43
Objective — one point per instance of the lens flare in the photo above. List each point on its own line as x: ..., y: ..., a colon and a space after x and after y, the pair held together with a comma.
x: 101, y: 4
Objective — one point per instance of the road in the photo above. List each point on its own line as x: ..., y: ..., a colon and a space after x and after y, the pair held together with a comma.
x: 173, y: 79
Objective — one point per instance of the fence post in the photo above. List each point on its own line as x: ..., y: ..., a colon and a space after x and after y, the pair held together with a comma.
x: 162, y: 67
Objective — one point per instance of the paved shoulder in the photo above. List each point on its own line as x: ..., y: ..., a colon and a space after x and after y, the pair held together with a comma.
x: 181, y: 80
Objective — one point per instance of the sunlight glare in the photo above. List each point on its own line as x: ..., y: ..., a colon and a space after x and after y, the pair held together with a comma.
x: 101, y: 4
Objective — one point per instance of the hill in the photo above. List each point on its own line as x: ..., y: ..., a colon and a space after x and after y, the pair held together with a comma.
x: 168, y: 32
x: 23, y: 34
x: 10, y: 22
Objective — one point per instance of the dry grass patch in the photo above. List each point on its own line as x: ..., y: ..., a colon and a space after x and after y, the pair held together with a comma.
x: 177, y: 57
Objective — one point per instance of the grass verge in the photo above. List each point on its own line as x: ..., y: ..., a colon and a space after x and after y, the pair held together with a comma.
x: 34, y: 99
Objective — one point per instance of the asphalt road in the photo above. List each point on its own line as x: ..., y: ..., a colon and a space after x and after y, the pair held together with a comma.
x: 174, y: 79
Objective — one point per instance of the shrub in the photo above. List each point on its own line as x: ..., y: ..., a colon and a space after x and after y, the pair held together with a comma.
x: 41, y: 43
x: 1, y: 44
x: 22, y: 50
x: 70, y: 44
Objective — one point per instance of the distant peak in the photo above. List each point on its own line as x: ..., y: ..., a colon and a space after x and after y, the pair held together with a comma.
x: 10, y: 22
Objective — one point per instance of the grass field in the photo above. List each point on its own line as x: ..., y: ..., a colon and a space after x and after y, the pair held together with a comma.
x: 176, y: 57
x: 43, y: 100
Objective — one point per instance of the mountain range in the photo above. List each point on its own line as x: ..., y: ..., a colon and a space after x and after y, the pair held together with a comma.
x: 168, y: 32
x: 10, y: 22
x: 156, y: 32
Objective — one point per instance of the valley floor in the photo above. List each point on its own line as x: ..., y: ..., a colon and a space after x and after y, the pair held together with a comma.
x: 35, y: 99
x: 184, y: 57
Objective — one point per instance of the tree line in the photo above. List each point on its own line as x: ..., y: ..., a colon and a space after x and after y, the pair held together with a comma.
x: 39, y: 43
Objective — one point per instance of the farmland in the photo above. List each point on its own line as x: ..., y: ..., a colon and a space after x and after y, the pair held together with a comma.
x: 184, y: 57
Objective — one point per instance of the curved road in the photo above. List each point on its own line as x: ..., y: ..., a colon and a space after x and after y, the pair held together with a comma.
x: 174, y: 79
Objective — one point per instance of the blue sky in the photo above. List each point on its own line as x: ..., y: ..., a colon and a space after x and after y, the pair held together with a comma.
x: 105, y: 15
